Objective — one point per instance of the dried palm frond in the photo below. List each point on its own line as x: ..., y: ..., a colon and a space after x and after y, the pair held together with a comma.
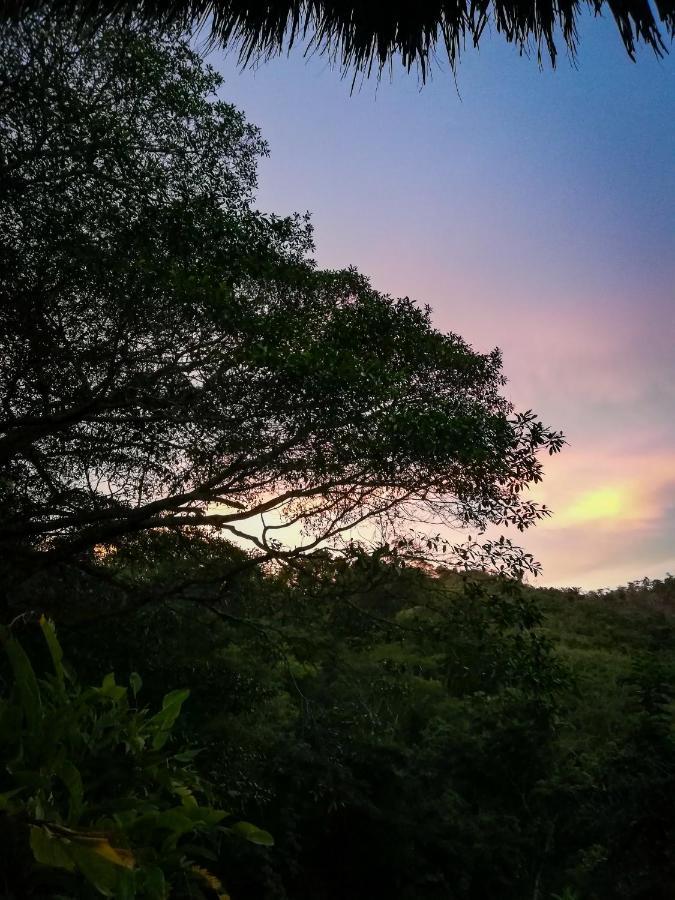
x: 363, y: 36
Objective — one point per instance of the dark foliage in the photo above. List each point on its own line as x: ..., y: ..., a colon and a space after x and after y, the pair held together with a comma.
x: 422, y: 735
x: 170, y: 357
x: 172, y: 362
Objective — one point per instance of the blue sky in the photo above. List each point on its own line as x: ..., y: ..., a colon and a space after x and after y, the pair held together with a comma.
x: 534, y: 211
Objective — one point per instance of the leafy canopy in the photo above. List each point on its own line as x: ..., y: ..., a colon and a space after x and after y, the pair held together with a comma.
x: 171, y: 357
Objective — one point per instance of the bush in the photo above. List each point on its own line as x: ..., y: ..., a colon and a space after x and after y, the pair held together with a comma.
x: 95, y: 798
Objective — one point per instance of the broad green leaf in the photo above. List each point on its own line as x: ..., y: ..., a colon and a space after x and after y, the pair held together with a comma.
x: 70, y: 776
x: 26, y: 683
x: 55, y: 651
x: 253, y: 834
x: 174, y: 698
x: 119, y: 856
x: 164, y: 720
x: 126, y: 886
x: 186, y: 755
x: 109, y: 688
x: 174, y: 820
x: 204, y: 815
x: 98, y: 871
x: 155, y: 884
x: 185, y: 794
x: 50, y: 850
x: 135, y: 683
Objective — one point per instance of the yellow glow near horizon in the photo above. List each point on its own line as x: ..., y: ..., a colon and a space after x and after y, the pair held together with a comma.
x: 604, y: 503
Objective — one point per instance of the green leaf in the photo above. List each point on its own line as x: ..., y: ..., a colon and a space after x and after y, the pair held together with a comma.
x: 135, y: 683
x: 55, y: 651
x: 155, y: 884
x: 186, y: 755
x: 118, y: 856
x: 186, y: 795
x: 103, y: 875
x: 253, y: 834
x: 125, y: 888
x: 50, y: 850
x: 175, y: 697
x: 174, y: 820
x: 70, y: 776
x: 204, y: 815
x: 164, y: 720
x: 26, y: 683
x: 109, y: 688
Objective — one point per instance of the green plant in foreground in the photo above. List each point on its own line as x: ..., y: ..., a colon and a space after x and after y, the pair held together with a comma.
x: 92, y: 798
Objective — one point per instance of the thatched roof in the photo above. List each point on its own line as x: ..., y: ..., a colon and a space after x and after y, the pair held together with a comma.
x: 363, y: 36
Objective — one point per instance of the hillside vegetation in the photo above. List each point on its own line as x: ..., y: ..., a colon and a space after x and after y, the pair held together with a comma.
x: 400, y: 732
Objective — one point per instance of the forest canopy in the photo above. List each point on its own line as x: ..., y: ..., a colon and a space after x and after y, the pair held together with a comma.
x: 172, y: 357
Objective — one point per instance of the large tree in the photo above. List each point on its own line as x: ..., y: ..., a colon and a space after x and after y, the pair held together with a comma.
x: 170, y: 357
x: 365, y: 36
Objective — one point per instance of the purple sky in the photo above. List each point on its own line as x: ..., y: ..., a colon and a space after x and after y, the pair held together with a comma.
x: 534, y: 211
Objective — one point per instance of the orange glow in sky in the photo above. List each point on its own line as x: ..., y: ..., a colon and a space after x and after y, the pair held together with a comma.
x: 604, y: 504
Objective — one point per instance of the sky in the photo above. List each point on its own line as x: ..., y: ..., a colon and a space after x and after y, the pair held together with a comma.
x: 533, y: 210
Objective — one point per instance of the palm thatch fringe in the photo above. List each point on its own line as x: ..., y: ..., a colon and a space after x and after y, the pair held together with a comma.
x: 364, y: 36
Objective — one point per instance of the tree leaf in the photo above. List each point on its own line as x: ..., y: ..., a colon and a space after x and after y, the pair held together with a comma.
x: 109, y: 688
x: 135, y: 683
x: 55, y: 650
x: 253, y: 834
x: 70, y: 776
x: 164, y: 720
x: 26, y: 683
x: 98, y: 871
x: 155, y: 884
x: 119, y: 856
x: 50, y: 850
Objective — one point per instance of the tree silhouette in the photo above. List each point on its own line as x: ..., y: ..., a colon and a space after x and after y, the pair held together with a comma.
x: 170, y: 357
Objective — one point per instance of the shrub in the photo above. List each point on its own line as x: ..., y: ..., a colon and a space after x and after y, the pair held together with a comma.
x: 95, y: 798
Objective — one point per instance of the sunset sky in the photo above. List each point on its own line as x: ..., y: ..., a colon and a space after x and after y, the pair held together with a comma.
x: 534, y: 211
